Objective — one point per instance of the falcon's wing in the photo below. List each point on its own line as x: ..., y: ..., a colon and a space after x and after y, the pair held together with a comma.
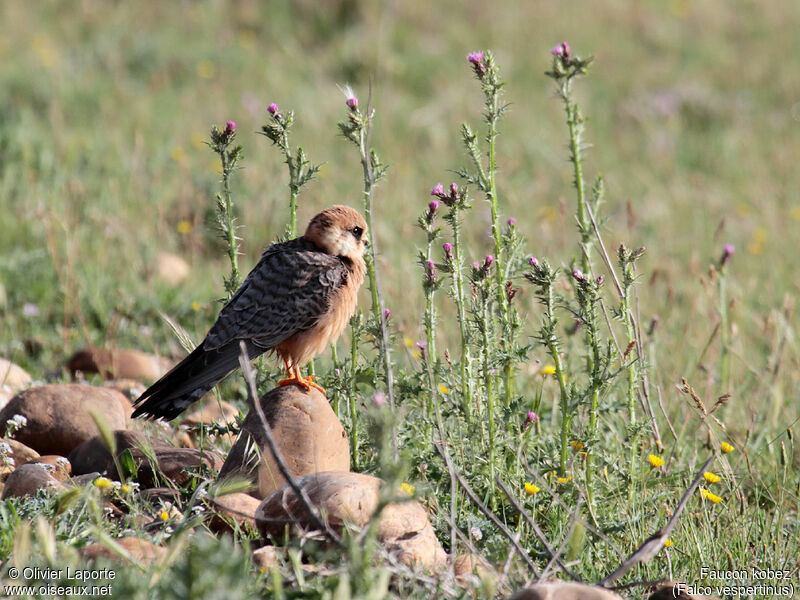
x: 287, y: 291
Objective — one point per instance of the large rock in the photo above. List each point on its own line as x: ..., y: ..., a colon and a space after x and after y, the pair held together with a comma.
x: 171, y: 462
x: 139, y: 550
x: 58, y: 466
x: 13, y: 377
x: 352, y: 498
x: 558, y: 590
x: 13, y: 454
x: 58, y: 415
x: 27, y: 479
x: 119, y: 363
x: 92, y: 455
x: 306, y: 430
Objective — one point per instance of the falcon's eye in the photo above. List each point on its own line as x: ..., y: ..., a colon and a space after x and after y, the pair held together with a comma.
x: 357, y: 231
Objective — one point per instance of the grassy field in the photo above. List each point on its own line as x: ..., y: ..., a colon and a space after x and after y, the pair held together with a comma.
x: 693, y: 119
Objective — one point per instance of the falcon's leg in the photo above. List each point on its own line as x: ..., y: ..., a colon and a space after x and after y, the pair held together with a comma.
x: 296, y: 378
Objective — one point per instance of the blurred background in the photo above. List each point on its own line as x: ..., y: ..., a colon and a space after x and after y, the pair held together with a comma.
x: 694, y: 120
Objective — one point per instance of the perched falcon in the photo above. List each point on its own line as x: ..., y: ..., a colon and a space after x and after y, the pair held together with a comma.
x: 296, y: 300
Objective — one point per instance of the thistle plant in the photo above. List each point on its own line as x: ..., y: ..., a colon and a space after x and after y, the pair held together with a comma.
x: 457, y: 201
x: 430, y: 283
x: 301, y: 170
x: 222, y: 144
x: 357, y: 128
x: 484, y: 176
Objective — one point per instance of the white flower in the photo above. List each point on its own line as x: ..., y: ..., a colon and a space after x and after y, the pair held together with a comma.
x: 47, y: 467
x: 62, y: 462
x: 5, y: 448
x: 476, y: 533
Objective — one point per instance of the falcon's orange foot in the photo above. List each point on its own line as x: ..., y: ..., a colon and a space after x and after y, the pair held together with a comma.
x: 305, y: 382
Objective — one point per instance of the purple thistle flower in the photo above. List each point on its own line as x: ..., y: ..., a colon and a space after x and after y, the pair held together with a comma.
x: 352, y: 103
x: 431, y: 268
x: 511, y: 221
x: 387, y: 313
x: 563, y: 50
x: 230, y: 126
x: 476, y: 265
x: 272, y: 109
x: 532, y: 417
x: 727, y: 252
x: 533, y: 261
x: 448, y: 250
x: 437, y: 190
x: 433, y: 205
x: 453, y: 189
x: 475, y: 58
x: 488, y: 260
x: 578, y: 275
x: 422, y: 345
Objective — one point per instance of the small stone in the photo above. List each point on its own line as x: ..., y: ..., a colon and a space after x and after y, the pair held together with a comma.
x: 92, y: 455
x: 13, y: 377
x: 119, y: 363
x: 233, y: 511
x: 17, y: 455
x: 139, y: 550
x: 558, y: 590
x: 210, y: 414
x: 27, y: 479
x: 172, y: 268
x: 467, y: 567
x: 306, y: 430
x: 62, y: 470
x: 265, y: 558
x: 58, y: 416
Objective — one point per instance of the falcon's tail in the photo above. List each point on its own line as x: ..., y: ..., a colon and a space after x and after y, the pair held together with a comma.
x: 190, y: 380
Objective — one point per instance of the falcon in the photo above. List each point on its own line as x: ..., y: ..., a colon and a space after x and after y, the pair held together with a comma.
x: 296, y: 300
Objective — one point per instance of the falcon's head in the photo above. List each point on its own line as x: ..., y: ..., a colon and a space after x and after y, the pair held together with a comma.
x: 340, y: 231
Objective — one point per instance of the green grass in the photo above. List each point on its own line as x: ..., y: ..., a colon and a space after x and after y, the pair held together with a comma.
x: 693, y: 118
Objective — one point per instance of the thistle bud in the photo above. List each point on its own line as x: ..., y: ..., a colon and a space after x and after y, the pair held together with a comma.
x: 448, y: 250
x: 272, y: 109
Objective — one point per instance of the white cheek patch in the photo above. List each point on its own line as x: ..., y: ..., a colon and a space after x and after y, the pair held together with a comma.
x: 341, y: 243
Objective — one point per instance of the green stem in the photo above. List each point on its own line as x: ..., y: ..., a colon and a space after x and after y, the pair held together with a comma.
x: 458, y: 275
x: 353, y: 412
x: 230, y: 227
x: 489, y: 382
x: 633, y: 375
x: 575, y: 125
x: 725, y: 358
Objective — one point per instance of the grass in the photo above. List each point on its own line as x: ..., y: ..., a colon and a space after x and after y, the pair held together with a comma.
x: 692, y: 115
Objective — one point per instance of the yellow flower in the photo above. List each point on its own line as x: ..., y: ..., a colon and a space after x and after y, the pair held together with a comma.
x: 566, y: 479
x: 444, y: 389
x: 576, y: 445
x: 531, y: 489
x: 668, y: 543
x: 104, y: 483
x: 197, y: 140
x: 125, y: 488
x: 163, y: 515
x: 548, y: 370
x: 711, y: 477
x: 195, y: 306
x: 408, y: 342
x: 206, y: 69
x: 184, y: 227
x: 713, y: 498
x: 726, y: 447
x: 178, y: 153
x: 247, y: 38
x: 655, y: 461
x: 408, y: 488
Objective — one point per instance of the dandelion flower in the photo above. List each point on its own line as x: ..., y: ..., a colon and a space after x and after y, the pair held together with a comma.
x: 408, y: 488
x: 668, y: 543
x: 566, y: 479
x: 711, y: 477
x: 104, y: 483
x: 576, y: 445
x: 655, y: 461
x: 726, y: 448
x: 713, y: 498
x: 184, y: 227
x: 125, y: 488
x: 531, y: 489
x: 195, y: 306
x: 548, y: 370
x: 444, y: 389
x: 163, y: 515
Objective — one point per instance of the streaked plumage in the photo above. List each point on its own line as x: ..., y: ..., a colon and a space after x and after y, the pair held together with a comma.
x: 296, y: 300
